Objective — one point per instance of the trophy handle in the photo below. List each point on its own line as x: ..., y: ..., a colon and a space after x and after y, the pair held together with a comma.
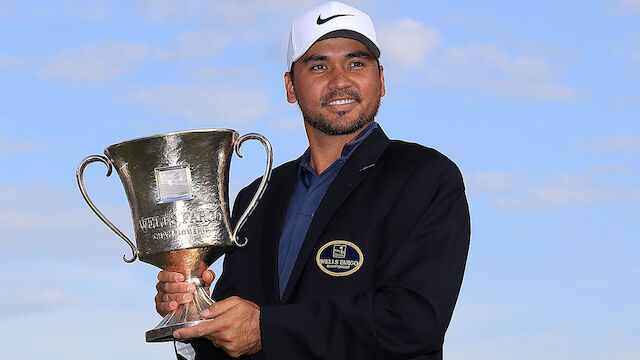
x: 263, y: 184
x: 80, y: 177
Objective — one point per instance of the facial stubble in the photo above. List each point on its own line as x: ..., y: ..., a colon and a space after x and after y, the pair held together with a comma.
x: 322, y: 124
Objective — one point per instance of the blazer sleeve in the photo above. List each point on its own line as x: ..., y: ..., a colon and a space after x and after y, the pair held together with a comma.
x: 225, y: 287
x: 418, y: 278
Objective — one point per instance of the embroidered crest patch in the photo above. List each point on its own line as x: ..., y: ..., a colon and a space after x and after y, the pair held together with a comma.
x: 339, y: 258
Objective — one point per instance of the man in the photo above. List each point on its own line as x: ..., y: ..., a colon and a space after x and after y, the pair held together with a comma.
x: 357, y: 249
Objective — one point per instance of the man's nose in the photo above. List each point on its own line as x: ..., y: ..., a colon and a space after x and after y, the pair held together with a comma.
x: 339, y: 79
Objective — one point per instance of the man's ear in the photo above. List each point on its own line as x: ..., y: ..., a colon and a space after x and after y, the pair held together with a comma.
x: 288, y: 85
x: 382, y: 89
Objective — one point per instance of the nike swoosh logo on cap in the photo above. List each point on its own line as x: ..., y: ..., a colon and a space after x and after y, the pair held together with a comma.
x: 321, y: 21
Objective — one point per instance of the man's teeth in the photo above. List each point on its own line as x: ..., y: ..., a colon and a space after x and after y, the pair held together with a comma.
x: 341, y: 102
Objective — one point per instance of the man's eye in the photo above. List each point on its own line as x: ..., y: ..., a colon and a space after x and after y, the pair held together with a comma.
x: 318, y: 67
x: 356, y: 64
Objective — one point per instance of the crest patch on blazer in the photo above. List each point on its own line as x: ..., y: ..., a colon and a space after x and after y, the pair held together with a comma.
x: 339, y: 258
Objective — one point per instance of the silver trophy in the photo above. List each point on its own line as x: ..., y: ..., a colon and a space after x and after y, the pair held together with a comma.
x: 177, y: 184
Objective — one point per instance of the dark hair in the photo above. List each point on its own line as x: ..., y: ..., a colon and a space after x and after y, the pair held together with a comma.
x: 291, y: 71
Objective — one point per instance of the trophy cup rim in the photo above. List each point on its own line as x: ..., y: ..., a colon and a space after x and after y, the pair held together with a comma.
x: 171, y: 133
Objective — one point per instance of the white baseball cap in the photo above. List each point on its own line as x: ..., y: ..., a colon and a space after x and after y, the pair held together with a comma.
x: 330, y: 20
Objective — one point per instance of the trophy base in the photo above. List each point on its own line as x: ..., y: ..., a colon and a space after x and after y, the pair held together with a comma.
x: 165, y: 333
x: 184, y: 316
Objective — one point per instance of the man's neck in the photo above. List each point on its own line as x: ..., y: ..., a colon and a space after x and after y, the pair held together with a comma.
x: 325, y: 149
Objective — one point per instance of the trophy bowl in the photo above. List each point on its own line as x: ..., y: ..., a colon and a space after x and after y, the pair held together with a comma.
x: 177, y: 185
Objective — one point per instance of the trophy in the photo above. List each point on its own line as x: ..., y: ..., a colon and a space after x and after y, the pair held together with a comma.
x: 177, y: 185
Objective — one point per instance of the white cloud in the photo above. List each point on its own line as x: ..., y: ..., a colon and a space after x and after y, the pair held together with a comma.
x: 621, y: 143
x: 489, y: 68
x: 611, y: 170
x: 232, y: 13
x: 87, y: 10
x: 43, y: 296
x: 11, y: 62
x: 407, y: 42
x: 627, y: 101
x: 17, y: 219
x: 568, y: 191
x: 476, y: 68
x: 252, y: 11
x: 244, y: 73
x: 41, y: 219
x: 629, y: 48
x: 95, y: 63
x: 634, y: 47
x: 191, y: 45
x: 204, y: 103
x: 623, y: 5
x: 509, y: 190
x: 23, y: 300
x: 12, y: 147
x: 491, y: 183
x: 164, y: 10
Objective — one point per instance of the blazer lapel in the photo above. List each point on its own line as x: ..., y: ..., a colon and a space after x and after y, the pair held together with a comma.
x: 349, y: 177
x: 277, y: 197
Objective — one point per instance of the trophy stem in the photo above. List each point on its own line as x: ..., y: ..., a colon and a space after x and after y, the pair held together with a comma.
x: 184, y: 316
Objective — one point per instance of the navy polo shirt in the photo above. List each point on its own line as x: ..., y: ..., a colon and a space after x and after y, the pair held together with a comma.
x: 307, y: 194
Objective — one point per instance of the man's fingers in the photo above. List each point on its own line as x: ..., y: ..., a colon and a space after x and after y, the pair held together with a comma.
x: 220, y: 307
x: 169, y: 276
x: 178, y: 298
x: 166, y: 303
x: 174, y: 291
x: 169, y: 301
x: 236, y: 330
x: 200, y: 330
x: 175, y: 287
x: 208, y: 277
x: 163, y: 308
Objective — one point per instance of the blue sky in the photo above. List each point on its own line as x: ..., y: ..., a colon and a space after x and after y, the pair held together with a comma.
x: 538, y: 102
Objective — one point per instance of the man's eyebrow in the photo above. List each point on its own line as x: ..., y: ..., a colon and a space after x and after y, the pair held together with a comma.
x: 351, y: 55
x: 314, y: 58
x: 359, y: 54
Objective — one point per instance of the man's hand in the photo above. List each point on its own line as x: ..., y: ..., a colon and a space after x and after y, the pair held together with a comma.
x: 173, y: 291
x: 236, y: 327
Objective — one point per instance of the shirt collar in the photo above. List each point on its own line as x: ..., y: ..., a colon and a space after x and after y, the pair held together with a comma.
x: 347, y: 149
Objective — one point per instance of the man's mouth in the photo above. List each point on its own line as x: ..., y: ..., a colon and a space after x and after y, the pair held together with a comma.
x: 341, y: 102
x: 341, y: 97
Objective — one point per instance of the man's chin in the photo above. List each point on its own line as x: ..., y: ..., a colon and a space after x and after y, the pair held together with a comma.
x: 336, y: 128
x: 340, y: 123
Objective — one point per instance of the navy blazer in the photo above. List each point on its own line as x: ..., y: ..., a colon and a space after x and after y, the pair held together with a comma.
x: 404, y: 207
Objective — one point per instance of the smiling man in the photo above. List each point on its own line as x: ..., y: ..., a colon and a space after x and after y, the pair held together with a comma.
x: 342, y: 81
x: 358, y: 247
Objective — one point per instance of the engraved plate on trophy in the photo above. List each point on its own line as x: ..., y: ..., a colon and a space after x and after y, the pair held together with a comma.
x: 174, y: 183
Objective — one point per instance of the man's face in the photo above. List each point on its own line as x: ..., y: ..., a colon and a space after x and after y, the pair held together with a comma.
x: 338, y: 86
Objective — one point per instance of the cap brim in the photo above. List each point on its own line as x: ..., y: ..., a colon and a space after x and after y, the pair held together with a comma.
x: 354, y: 35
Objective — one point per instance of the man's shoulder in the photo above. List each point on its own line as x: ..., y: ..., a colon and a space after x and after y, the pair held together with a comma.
x: 278, y: 175
x: 280, y: 172
x: 402, y: 154
x: 418, y: 167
